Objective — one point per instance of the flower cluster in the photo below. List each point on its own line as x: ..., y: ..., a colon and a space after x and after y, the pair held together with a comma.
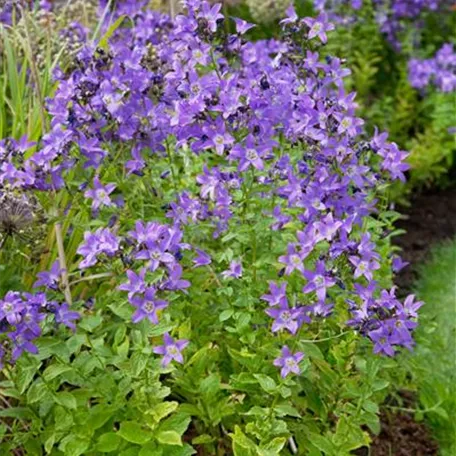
x: 439, y: 71
x: 385, y: 320
x: 102, y: 242
x: 258, y: 121
x: 390, y: 15
x: 159, y: 248
x: 21, y: 315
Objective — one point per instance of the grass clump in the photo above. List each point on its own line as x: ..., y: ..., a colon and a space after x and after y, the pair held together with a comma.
x: 433, y: 364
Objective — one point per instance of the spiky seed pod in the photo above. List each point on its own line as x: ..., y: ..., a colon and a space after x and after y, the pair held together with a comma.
x: 267, y: 11
x: 21, y: 217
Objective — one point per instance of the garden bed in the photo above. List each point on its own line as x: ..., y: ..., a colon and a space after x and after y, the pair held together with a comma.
x: 430, y: 219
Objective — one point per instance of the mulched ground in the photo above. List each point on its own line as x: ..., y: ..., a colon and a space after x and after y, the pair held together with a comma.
x: 429, y: 220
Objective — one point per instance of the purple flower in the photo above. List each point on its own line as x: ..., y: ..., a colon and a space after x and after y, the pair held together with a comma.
x: 147, y: 306
x: 250, y: 154
x: 319, y: 281
x: 328, y: 227
x: 399, y: 264
x: 280, y: 218
x: 293, y: 260
x: 348, y: 124
x: 135, y: 284
x: 95, y: 244
x: 11, y: 307
x: 156, y: 254
x: 364, y: 267
x: 22, y: 342
x: 171, y: 349
x: 289, y: 362
x: 175, y: 281
x: 410, y: 307
x: 100, y: 194
x: 242, y: 26
x: 382, y: 341
x: 211, y: 15
x: 235, y: 270
x: 65, y: 316
x: 285, y: 317
x: 49, y: 279
x: 322, y: 309
x: 291, y: 17
x: 202, y: 259
x: 319, y: 27
x: 277, y: 296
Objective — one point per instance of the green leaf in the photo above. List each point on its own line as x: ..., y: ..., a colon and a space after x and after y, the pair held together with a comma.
x: 286, y: 410
x: 49, y: 443
x: 178, y: 422
x: 16, y: 412
x: 210, y: 385
x: 131, y: 431
x: 372, y: 421
x: 226, y: 314
x: 150, y: 449
x: 55, y: 370
x: 138, y: 363
x: 108, y: 442
x: 169, y: 438
x: 322, y: 443
x: 66, y: 399
x: 91, y: 322
x: 266, y: 382
x: 103, y: 43
x: 37, y: 391
x: 370, y: 406
x: 163, y: 409
x: 273, y: 448
x: 75, y: 342
x: 122, y: 310
x: 203, y: 439
x: 26, y: 374
x: 175, y: 450
x: 242, y: 445
x: 99, y: 415
x: 74, y: 445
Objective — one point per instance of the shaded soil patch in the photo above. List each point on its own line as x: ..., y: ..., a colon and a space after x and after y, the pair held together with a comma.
x: 401, y: 435
x: 430, y: 219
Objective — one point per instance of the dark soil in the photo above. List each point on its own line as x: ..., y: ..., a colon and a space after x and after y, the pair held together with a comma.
x: 401, y: 435
x: 429, y: 220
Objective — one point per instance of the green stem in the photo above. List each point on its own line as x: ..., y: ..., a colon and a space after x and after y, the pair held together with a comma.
x: 170, y: 161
